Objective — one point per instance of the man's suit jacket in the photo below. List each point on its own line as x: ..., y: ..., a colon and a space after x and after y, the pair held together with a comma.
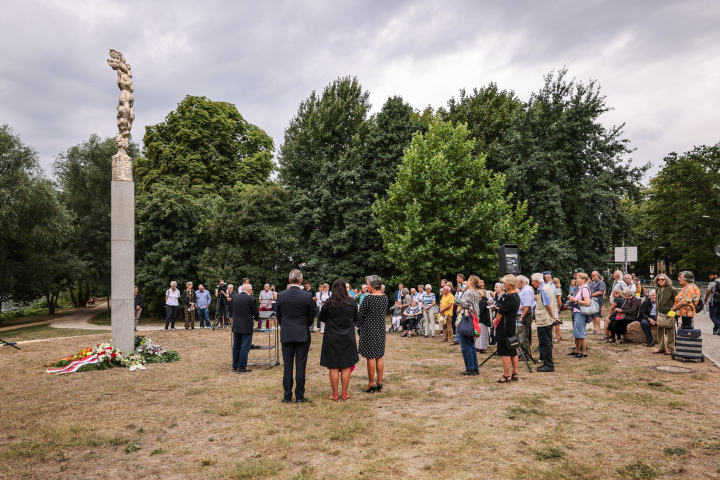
x: 244, y: 310
x: 295, y: 311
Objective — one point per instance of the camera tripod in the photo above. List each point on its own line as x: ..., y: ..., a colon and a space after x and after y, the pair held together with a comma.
x: 521, y: 352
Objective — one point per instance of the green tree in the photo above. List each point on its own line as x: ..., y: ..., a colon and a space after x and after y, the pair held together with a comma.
x: 33, y: 220
x: 169, y: 238
x: 447, y: 212
x: 687, y: 189
x: 573, y: 172
x: 84, y: 173
x: 489, y: 113
x: 315, y: 167
x: 251, y: 235
x: 207, y: 144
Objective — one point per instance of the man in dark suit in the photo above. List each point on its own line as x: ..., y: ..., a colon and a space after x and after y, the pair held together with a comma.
x: 294, y: 311
x: 399, y: 293
x: 245, y: 312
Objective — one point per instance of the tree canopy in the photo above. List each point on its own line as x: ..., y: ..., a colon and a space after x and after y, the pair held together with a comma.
x: 447, y: 212
x: 207, y: 144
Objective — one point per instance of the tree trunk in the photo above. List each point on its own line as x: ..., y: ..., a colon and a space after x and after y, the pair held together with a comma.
x: 71, y: 290
x: 83, y: 297
x: 50, y: 303
x: 437, y: 275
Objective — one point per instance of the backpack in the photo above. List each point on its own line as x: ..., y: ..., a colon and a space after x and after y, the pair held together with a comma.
x: 716, y: 293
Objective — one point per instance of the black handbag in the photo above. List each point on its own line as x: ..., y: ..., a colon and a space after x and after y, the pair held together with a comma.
x: 511, y: 342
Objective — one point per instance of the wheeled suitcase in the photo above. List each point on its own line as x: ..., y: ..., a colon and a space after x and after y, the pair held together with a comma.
x: 688, y: 345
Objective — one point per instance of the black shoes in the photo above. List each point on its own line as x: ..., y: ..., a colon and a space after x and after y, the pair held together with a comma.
x: 580, y: 356
x: 544, y: 369
x: 243, y: 370
x: 651, y: 344
x: 300, y: 400
x: 285, y: 400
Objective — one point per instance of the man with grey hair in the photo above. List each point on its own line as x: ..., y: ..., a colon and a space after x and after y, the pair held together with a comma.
x: 245, y: 312
x: 294, y: 311
x: 544, y: 317
x: 525, y: 313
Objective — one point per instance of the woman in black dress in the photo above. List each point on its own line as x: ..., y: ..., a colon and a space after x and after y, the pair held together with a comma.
x: 372, y: 331
x: 505, y: 322
x: 339, y: 350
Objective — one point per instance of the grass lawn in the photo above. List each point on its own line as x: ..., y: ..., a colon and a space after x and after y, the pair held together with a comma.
x: 607, y: 417
x: 42, y: 331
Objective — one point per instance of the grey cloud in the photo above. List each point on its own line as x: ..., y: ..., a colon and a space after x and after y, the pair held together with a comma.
x: 56, y: 88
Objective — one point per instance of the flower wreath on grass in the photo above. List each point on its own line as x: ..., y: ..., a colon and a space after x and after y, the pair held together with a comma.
x: 104, y: 356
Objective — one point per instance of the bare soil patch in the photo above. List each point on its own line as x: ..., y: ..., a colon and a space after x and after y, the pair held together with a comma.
x: 609, y: 416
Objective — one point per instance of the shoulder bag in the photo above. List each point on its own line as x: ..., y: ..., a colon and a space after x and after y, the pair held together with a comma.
x: 511, y: 342
x: 591, y: 309
x: 465, y: 327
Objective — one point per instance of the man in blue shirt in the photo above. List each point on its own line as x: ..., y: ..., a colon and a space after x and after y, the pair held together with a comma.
x: 202, y: 302
x: 525, y: 313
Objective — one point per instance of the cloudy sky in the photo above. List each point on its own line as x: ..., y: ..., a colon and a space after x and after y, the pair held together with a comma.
x: 658, y: 62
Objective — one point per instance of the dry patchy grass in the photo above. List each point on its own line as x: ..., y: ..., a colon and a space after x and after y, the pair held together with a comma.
x: 604, y: 417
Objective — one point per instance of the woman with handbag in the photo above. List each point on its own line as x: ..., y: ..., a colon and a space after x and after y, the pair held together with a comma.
x: 469, y: 305
x: 505, y: 322
x: 687, y: 299
x: 626, y: 315
x: 581, y: 299
x: 665, y: 323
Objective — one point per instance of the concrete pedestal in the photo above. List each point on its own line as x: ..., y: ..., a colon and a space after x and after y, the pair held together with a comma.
x: 122, y: 264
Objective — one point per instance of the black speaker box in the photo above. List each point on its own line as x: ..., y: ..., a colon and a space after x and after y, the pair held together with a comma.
x: 509, y: 257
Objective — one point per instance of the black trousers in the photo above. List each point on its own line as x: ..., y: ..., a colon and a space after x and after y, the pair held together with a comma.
x: 296, y: 353
x: 546, y: 345
x: 170, y: 315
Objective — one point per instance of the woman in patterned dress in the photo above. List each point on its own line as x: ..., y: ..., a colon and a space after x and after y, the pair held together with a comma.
x: 372, y: 331
x: 188, y: 298
x: 687, y: 299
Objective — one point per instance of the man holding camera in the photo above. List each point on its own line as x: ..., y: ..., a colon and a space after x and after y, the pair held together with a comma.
x: 221, y: 295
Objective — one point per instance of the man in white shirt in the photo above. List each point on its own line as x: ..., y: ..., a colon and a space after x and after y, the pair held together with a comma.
x: 266, y: 299
x: 525, y: 313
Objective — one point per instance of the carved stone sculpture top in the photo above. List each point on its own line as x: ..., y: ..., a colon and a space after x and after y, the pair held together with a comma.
x: 122, y: 163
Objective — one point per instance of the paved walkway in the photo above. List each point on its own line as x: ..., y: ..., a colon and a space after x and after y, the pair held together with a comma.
x: 81, y: 317
x: 711, y: 343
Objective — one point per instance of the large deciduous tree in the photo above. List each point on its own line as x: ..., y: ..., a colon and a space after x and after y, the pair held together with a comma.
x: 251, y: 235
x: 686, y: 190
x: 169, y: 238
x: 447, y: 212
x: 205, y: 143
x: 35, y: 259
x: 573, y: 172
x: 84, y: 173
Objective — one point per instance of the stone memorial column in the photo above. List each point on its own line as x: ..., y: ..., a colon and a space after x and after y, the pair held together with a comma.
x: 122, y: 221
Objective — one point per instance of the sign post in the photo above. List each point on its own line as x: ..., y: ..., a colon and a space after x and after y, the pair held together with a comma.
x: 625, y: 255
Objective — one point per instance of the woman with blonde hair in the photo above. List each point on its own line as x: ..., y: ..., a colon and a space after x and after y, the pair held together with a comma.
x: 505, y: 323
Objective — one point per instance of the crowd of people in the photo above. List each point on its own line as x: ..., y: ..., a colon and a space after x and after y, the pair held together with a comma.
x: 464, y: 313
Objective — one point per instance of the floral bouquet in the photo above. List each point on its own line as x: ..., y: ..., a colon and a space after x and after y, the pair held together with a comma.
x: 105, y: 356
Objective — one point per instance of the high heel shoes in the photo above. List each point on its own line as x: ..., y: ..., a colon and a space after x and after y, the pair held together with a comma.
x: 378, y: 387
x: 371, y: 389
